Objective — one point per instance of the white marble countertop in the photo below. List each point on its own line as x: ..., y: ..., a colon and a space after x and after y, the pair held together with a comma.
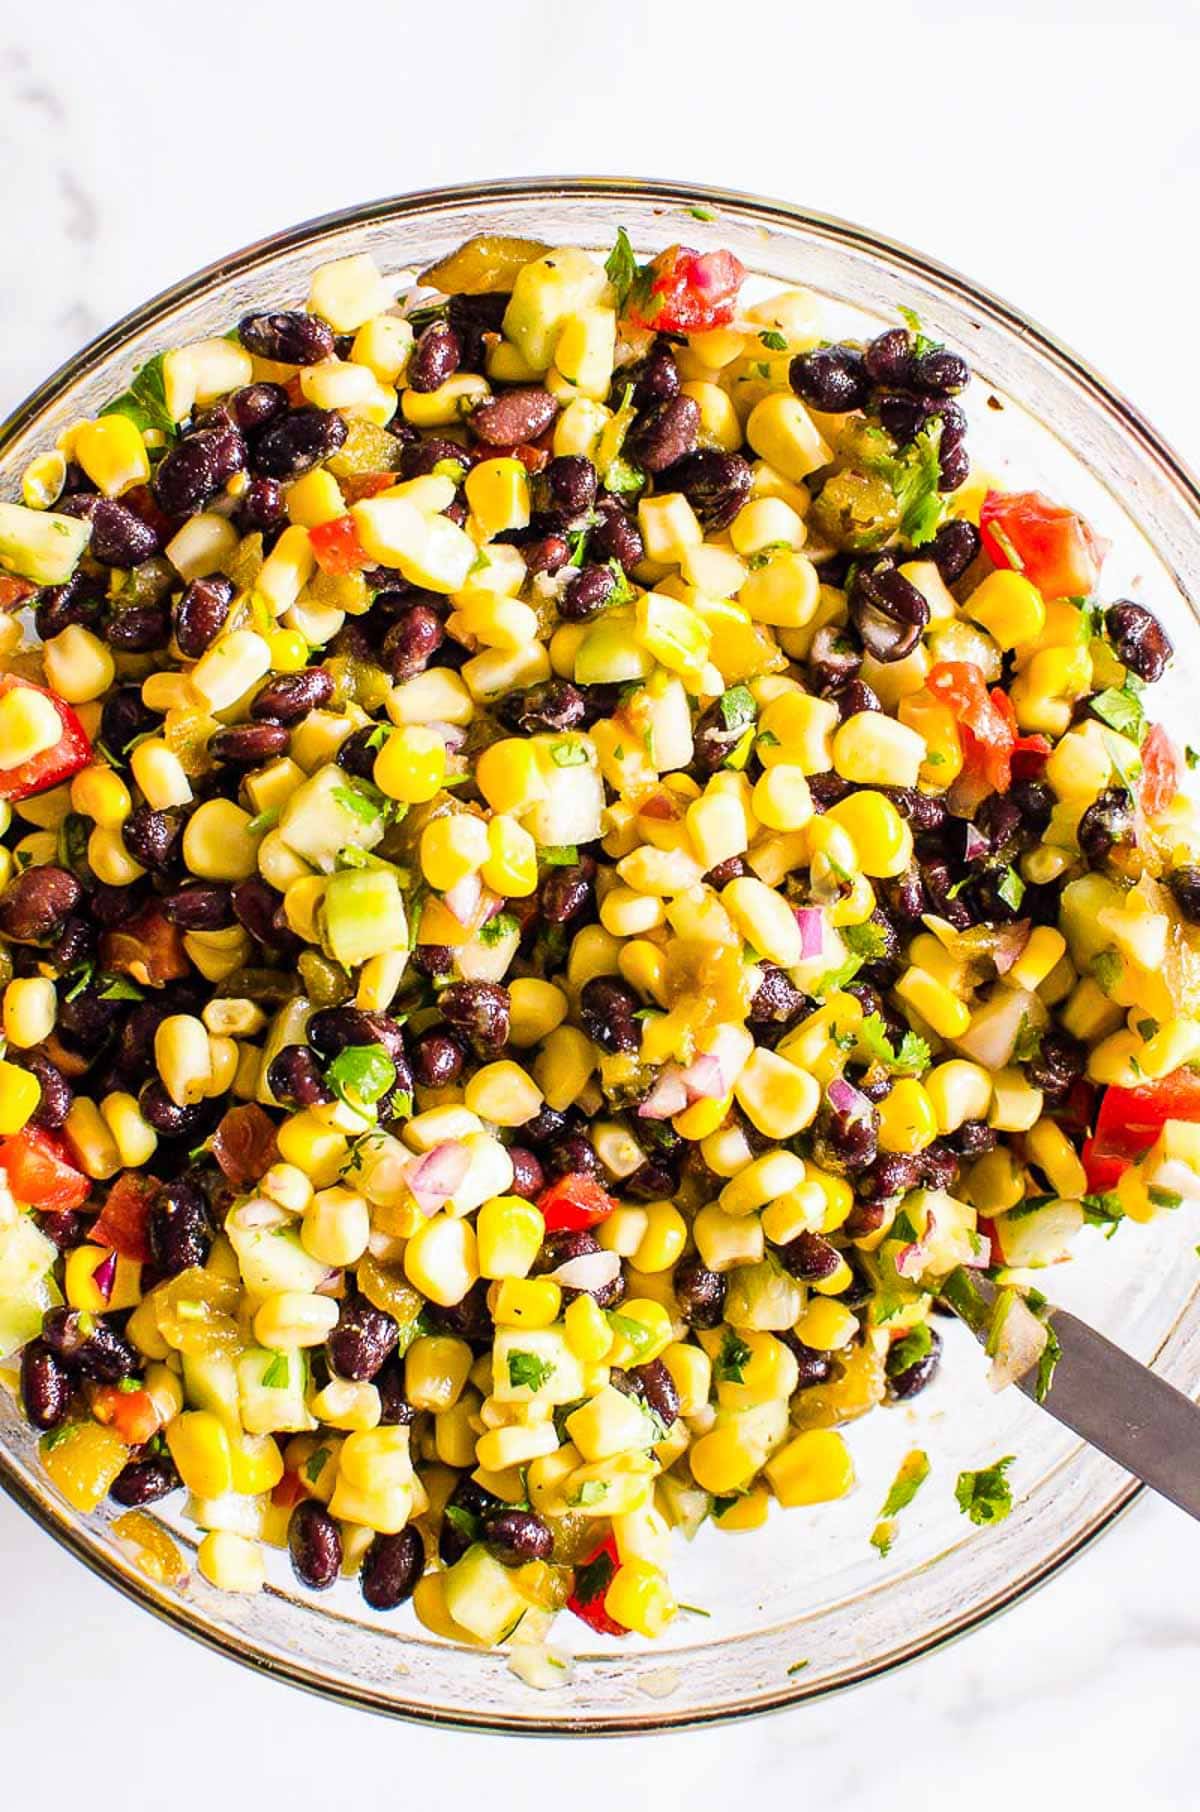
x: 1055, y: 159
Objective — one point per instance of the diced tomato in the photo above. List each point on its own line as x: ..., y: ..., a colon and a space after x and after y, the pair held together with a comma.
x: 244, y: 1144
x: 687, y: 292
x: 573, y: 1202
x: 595, y: 1575
x: 288, y: 1492
x: 1029, y: 756
x: 986, y: 724
x: 40, y: 1172
x: 337, y: 548
x: 533, y: 458
x: 1130, y: 1120
x: 133, y: 1413
x: 1102, y: 1173
x: 357, y: 485
x: 295, y: 392
x: 122, y: 1221
x: 1160, y: 773
x: 1053, y: 546
x: 14, y: 592
x: 71, y: 752
x: 148, y: 947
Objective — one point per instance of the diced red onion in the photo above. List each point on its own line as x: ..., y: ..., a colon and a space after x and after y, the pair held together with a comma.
x: 704, y: 1079
x: 591, y: 1271
x: 1010, y: 943
x: 105, y: 1275
x: 910, y: 1260
x: 668, y: 1096
x: 463, y: 898
x: 811, y: 921
x: 975, y: 844
x: 844, y: 1098
x: 435, y: 1176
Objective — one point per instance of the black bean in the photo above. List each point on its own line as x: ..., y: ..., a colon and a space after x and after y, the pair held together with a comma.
x: 45, y: 1385
x: 356, y: 753
x: 433, y: 960
x: 391, y: 1569
x: 516, y: 416
x: 296, y: 442
x: 657, y: 1389
x: 940, y: 372
x: 255, y: 905
x: 293, y: 1077
x: 716, y: 484
x: 435, y: 357
x: 572, y: 1155
x: 120, y: 537
x: 245, y: 745
x: 529, y: 1179
x: 257, y: 404
x: 588, y: 594
x: 262, y: 507
x: 1184, y: 883
x: 124, y: 718
x: 854, y: 697
x: 731, y: 869
x: 470, y: 1319
x: 954, y: 466
x: 1106, y: 825
x: 607, y: 1010
x: 412, y: 641
x: 1140, y: 641
x: 473, y: 318
x: 571, y: 481
x: 437, y: 1058
x: 846, y: 1140
x: 832, y: 379
x: 333, y: 1029
x: 61, y: 606
x: 76, y: 943
x: 201, y: 613
x: 479, y: 1009
x: 202, y: 906
x: 699, y: 1292
x: 546, y: 555
x: 902, y: 414
x: 476, y: 1504
x: 517, y: 1536
x: 655, y: 379
x: 926, y: 812
x: 663, y: 434
x: 973, y: 1139
x: 714, y: 740
x: 953, y: 548
x: 179, y: 1228
x: 617, y: 537
x: 363, y: 1338
x: 814, y: 1367
x: 394, y: 1406
x: 151, y: 837
x: 834, y: 657
x: 290, y: 696
x: 86, y: 1343
x: 140, y: 629
x: 36, y: 902
x: 1058, y: 1063
x: 546, y: 1126
x: 165, y: 1115
x: 777, y: 1000
x: 914, y: 1378
x: 888, y: 358
x: 564, y: 894
x: 419, y: 459
x: 314, y: 1545
x: 144, y: 1481
x: 809, y: 1258
x: 554, y: 705
x: 888, y: 612
x: 287, y: 337
x: 57, y: 1093
x: 195, y: 470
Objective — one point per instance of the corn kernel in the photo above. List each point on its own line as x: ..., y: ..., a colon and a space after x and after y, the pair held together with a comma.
x: 30, y: 1009
x: 411, y: 765
x: 232, y: 1563
x: 813, y: 1468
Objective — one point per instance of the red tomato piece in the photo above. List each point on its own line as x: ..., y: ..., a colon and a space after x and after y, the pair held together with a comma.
x: 593, y: 1577
x: 986, y: 724
x: 244, y: 1144
x: 133, y: 1413
x: 337, y: 548
x: 1130, y: 1120
x: 1160, y: 774
x: 1054, y: 547
x: 288, y: 1492
x: 122, y: 1221
x: 531, y: 456
x: 573, y: 1202
x: 72, y: 751
x: 40, y: 1172
x: 688, y: 292
x: 357, y: 485
x: 14, y: 592
x: 1102, y: 1173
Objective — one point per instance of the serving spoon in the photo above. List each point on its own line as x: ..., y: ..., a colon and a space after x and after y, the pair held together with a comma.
x: 1099, y: 1392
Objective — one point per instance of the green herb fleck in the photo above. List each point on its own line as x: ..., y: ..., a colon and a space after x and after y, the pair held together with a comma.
x: 909, y: 1350
x: 1104, y: 1211
x: 737, y: 707
x: 594, y: 1577
x: 635, y: 1333
x: 1164, y: 1198
x: 798, y: 1667
x: 1011, y: 889
x: 1107, y: 968
x: 315, y: 1464
x: 911, y: 1058
x: 700, y: 214
x: 145, y: 401
x: 559, y: 855
x: 1050, y: 1355
x: 464, y: 1521
x: 914, y: 1470
x: 1121, y: 709
x: 568, y: 754
x: 528, y: 1371
x: 361, y: 1074
x: 275, y: 1376
x: 592, y: 1491
x: 773, y: 340
x: 985, y: 1496
x: 732, y: 1360
x: 265, y: 821
x: 498, y: 927
x: 621, y: 267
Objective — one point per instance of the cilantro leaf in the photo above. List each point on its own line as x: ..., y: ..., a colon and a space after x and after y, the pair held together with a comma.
x: 1107, y: 968
x: 359, y: 802
x: 592, y: 1491
x: 1164, y: 1198
x: 265, y: 821
x: 738, y: 708
x: 701, y: 214
x: 1104, y: 1211
x: 866, y: 941
x: 275, y: 1376
x: 773, y: 340
x: 315, y: 1464
x: 361, y: 1074
x: 732, y: 1360
x: 909, y: 1059
x: 119, y: 987
x: 559, y: 855
x: 1126, y: 760
x: 1028, y: 1041
x: 636, y: 1333
x: 913, y: 1472
x: 1050, y: 1355
x: 569, y: 753
x: 145, y: 401
x: 913, y: 475
x: 985, y: 1496
x: 909, y: 1350
x: 498, y: 927
x: 526, y: 1369
x: 921, y: 341
x: 621, y: 267
x: 463, y: 1521
x: 1121, y: 709
x: 1011, y: 889
x: 623, y: 478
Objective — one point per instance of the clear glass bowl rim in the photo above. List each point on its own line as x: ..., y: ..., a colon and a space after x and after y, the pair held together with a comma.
x: 71, y: 1532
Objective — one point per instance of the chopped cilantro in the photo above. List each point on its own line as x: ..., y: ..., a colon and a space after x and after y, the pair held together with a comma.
x: 80, y: 978
x: 119, y: 987
x: 636, y: 1333
x: 773, y: 340
x: 275, y: 1376
x: 315, y: 1464
x: 1011, y: 889
x: 1146, y: 1028
x: 145, y: 401
x: 265, y: 821
x: 362, y: 800
x: 622, y: 478
x: 694, y: 1610
x: 57, y: 1436
x: 1121, y: 709
x: 559, y: 855
x: 910, y: 1058
x: 913, y: 475
x: 914, y: 1470
x: 1103, y: 1211
x: 452, y: 469
x: 1028, y: 1041
x: 867, y: 941
x: 1050, y: 1355
x: 621, y: 267
x: 985, y: 1496
x: 767, y: 739
x: 568, y: 754
x: 1107, y: 968
x: 361, y: 1074
x: 498, y: 927
x: 1125, y: 760
x: 577, y: 542
x: 737, y: 708
x: 1164, y: 1198
x: 909, y: 1350
x: 528, y: 1371
x: 833, y: 979
x: 1191, y: 756
x: 378, y: 737
x: 921, y: 341
x: 699, y: 214
x: 732, y: 1360
x: 592, y: 1491
x: 463, y: 1521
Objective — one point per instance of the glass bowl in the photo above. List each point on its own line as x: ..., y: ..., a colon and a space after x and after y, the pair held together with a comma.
x: 804, y: 1606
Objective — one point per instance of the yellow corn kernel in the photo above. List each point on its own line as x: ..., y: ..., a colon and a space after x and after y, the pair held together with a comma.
x: 294, y: 1318
x: 509, y: 1233
x: 798, y: 1210
x: 795, y: 727
x: 770, y: 1175
x: 20, y: 1092
x: 1044, y: 693
x: 94, y: 1146
x: 678, y: 639
x: 588, y: 1333
x: 668, y: 527
x: 133, y: 1136
x: 622, y: 1231
x: 498, y: 495
x: 640, y: 1598
x: 764, y: 919
x: 436, y: 1368
x: 907, y: 1118
x: 723, y: 1461
x: 98, y: 793
x: 725, y: 1240
x: 384, y: 345
x: 78, y: 666
x: 995, y: 1182
x: 933, y: 1000
x: 234, y: 663
x: 509, y: 776
x: 441, y: 1259
x: 563, y: 1066
x: 411, y: 765
x: 766, y: 522
x: 515, y: 1445
x: 110, y: 860
x: 336, y: 1227
x: 112, y: 453
x: 218, y: 844
x: 608, y: 1424
x: 882, y: 840
x: 525, y: 1302
x: 232, y: 1563
x: 813, y: 1468
x: 503, y: 1093
x: 315, y: 498
x: 782, y: 432
x: 30, y: 1009
x: 1043, y: 952
x: 747, y: 1511
x: 314, y: 1147
x: 781, y: 799
x: 958, y: 1091
x: 183, y: 1058
x: 43, y: 479
x: 83, y: 1292
x: 510, y: 867
x: 656, y: 1335
x: 872, y: 749
x: 1009, y: 607
x: 777, y: 1097
x: 29, y: 725
x: 783, y: 593
x: 1047, y: 1146
x: 199, y: 1445
x: 353, y: 1405
x: 378, y: 980
x: 347, y: 292
x: 664, y: 1237
x: 1016, y: 1105
x: 452, y: 848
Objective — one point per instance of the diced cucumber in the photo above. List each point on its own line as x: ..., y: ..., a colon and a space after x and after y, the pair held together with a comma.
x: 364, y: 915
x: 547, y: 291
x: 40, y: 544
x: 272, y: 1259
x: 277, y: 1407
x: 1041, y: 1237
x: 326, y: 814
x: 571, y: 809
x: 761, y: 1429
x: 231, y: 1512
x: 210, y: 1381
x: 536, y: 1352
x: 21, y: 1314
x: 664, y: 705
x: 25, y: 1256
x: 608, y: 655
x: 480, y: 961
x: 481, y: 1596
x: 763, y: 1296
